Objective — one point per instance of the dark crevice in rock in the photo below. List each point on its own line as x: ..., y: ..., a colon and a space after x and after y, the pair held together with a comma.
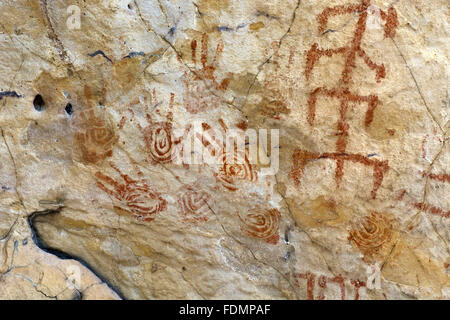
x: 12, y: 94
x: 101, y: 53
x: 38, y: 241
x: 134, y: 54
x: 69, y: 109
x: 39, y: 103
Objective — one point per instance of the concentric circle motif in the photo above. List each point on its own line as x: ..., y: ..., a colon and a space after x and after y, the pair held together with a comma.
x: 239, y: 169
x: 193, y: 205
x: 372, y: 233
x: 95, y: 138
x: 143, y: 202
x: 262, y: 224
x: 158, y: 139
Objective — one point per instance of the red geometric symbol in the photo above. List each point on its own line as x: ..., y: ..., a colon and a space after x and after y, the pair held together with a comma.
x: 425, y: 207
x: 323, y: 281
x: 350, y: 52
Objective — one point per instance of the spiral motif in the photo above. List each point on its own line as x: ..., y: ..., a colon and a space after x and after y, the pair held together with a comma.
x: 97, y: 139
x: 262, y: 225
x: 239, y: 169
x: 158, y: 138
x: 142, y: 201
x: 370, y: 236
x: 193, y: 205
x: 100, y: 137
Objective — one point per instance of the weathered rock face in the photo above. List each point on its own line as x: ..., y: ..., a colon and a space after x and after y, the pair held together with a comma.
x: 107, y: 107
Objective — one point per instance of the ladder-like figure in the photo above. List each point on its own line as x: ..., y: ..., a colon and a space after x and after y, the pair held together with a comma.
x: 350, y: 52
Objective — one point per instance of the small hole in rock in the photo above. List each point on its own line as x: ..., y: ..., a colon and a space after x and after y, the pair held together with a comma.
x: 38, y: 103
x: 69, y: 109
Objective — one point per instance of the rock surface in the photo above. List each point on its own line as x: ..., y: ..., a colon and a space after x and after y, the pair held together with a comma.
x: 99, y: 200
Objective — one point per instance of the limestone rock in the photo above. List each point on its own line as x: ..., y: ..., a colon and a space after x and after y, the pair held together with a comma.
x: 105, y: 105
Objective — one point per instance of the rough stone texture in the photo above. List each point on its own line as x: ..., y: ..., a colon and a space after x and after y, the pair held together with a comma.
x: 358, y: 90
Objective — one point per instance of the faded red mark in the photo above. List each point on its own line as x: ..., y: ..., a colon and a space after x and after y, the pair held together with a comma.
x: 193, y: 205
x: 279, y: 86
x: 432, y: 209
x: 391, y: 132
x: 438, y: 137
x: 424, y: 142
x: 203, y: 90
x: 301, y: 158
x: 401, y: 194
x: 161, y: 144
x: 122, y: 122
x: 262, y: 224
x: 136, y: 197
x: 443, y: 177
x: 243, y: 125
x: 323, y: 281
